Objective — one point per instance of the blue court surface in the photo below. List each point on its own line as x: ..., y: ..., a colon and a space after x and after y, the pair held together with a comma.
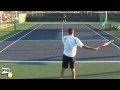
x: 43, y: 42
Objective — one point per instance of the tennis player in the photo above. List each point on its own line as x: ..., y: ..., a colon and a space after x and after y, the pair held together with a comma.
x: 64, y: 18
x: 70, y: 48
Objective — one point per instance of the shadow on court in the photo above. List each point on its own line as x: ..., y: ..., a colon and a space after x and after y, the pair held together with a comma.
x: 55, y: 58
x: 100, y: 57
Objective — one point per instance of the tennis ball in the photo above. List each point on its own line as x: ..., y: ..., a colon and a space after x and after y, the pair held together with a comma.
x: 10, y: 75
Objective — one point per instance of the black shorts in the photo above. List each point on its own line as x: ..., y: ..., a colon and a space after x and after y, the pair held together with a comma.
x: 64, y: 19
x: 68, y: 61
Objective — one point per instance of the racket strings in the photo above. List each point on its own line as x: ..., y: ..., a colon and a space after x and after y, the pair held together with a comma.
x: 105, y: 44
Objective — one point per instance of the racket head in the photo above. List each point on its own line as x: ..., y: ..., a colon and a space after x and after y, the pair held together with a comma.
x: 106, y: 43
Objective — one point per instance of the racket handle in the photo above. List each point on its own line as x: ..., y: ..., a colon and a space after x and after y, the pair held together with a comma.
x: 97, y: 48
x: 112, y: 41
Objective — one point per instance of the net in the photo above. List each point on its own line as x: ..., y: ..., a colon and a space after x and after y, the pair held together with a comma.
x: 58, y: 26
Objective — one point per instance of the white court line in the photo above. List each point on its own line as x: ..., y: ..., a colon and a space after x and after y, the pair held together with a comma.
x: 19, y: 39
x: 15, y: 34
x: 102, y: 36
x: 56, y: 40
x: 95, y: 32
x: 2, y: 61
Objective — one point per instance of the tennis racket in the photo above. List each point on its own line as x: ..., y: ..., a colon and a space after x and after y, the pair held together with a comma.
x: 105, y: 44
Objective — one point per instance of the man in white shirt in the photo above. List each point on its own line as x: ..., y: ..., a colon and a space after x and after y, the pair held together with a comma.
x: 70, y: 48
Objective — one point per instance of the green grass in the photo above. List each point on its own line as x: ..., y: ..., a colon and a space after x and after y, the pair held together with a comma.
x: 115, y: 33
x: 4, y: 34
x: 7, y: 32
x: 23, y: 26
x: 52, y: 70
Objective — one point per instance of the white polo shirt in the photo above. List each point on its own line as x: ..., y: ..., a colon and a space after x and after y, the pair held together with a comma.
x: 70, y: 45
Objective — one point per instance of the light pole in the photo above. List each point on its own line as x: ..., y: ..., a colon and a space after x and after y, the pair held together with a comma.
x: 106, y: 18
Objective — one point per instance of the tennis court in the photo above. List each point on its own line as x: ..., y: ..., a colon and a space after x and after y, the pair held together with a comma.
x: 42, y: 42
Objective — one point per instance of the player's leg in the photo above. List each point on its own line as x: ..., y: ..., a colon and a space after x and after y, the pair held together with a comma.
x: 64, y: 65
x: 62, y: 73
x: 73, y: 73
x: 65, y: 19
x: 72, y: 66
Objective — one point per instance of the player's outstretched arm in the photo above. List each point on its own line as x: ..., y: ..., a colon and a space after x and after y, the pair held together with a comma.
x: 89, y: 47
x: 79, y: 43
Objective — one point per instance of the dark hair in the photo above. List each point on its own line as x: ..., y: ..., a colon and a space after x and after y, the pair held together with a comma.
x: 71, y: 30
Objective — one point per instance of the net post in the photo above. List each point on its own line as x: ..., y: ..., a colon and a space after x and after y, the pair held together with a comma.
x: 15, y: 23
x: 106, y: 16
